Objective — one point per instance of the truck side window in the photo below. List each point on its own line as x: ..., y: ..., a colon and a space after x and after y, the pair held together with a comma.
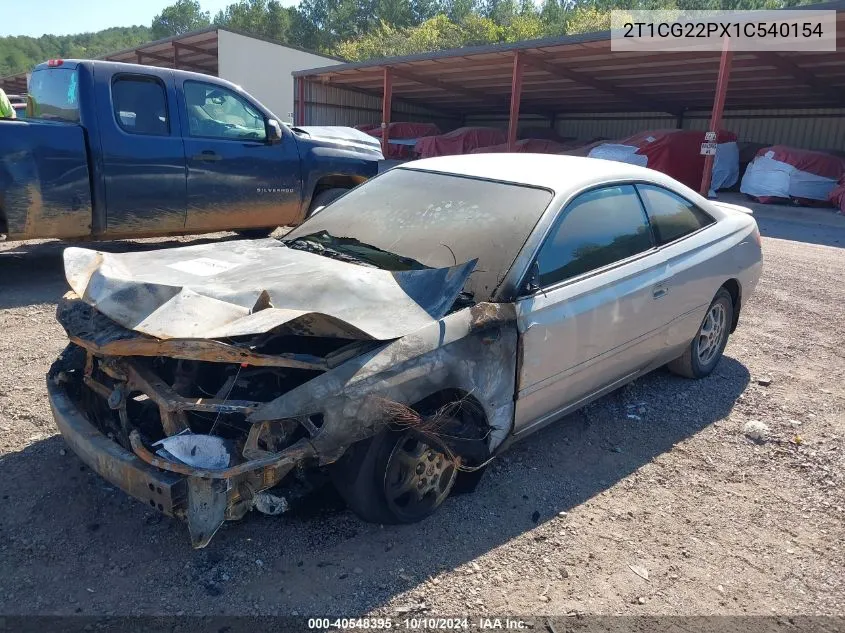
x: 217, y: 112
x: 140, y: 105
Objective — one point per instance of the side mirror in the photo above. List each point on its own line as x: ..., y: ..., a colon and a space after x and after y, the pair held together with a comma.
x: 274, y: 131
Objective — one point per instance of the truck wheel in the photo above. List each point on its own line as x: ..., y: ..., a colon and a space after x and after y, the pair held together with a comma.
x: 324, y: 198
x: 395, y: 477
x: 255, y: 234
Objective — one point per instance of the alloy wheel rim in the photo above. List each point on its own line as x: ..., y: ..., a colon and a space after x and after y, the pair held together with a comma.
x: 711, y: 333
x: 418, y: 478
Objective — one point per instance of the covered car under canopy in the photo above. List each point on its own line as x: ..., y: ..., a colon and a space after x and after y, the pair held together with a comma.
x: 460, y: 141
x: 677, y: 153
x: 525, y: 146
x: 781, y: 173
x: 402, y: 137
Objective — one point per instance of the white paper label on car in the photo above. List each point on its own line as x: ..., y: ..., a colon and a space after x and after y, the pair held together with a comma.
x: 708, y: 149
x: 204, y: 266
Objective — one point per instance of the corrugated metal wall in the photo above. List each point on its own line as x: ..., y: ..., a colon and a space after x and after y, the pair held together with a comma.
x: 613, y: 126
x: 810, y: 128
x: 330, y: 105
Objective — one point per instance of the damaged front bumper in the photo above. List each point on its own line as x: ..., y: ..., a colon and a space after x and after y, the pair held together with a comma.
x: 203, y: 497
x: 162, y: 490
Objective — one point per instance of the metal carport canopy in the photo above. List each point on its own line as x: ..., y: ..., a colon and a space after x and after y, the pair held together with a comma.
x: 580, y: 73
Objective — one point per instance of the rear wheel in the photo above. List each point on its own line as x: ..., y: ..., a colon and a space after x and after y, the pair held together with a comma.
x: 705, y: 350
x: 395, y: 477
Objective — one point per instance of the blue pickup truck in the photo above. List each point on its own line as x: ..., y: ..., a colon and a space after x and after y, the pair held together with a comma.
x: 111, y: 151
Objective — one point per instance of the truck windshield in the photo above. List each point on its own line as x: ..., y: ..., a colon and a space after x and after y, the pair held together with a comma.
x: 54, y: 94
x: 408, y: 218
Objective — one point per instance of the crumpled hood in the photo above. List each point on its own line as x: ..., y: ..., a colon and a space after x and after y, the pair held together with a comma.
x: 239, y: 288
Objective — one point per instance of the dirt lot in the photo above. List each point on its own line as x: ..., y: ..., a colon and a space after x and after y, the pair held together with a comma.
x: 651, y: 501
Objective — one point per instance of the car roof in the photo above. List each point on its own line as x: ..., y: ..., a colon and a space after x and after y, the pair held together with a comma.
x: 561, y: 174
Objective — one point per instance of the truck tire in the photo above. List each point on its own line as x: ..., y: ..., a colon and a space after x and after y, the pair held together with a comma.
x: 256, y: 234
x: 320, y: 200
x: 324, y: 198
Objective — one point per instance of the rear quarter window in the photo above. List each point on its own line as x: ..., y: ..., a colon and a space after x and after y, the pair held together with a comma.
x: 54, y: 95
x: 672, y: 216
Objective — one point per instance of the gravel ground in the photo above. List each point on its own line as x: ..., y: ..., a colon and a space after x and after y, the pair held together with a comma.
x: 651, y: 501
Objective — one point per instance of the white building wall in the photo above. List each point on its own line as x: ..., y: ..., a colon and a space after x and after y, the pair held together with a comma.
x: 264, y: 69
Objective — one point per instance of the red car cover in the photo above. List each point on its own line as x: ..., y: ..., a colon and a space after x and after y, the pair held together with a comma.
x: 837, y: 196
x: 818, y: 163
x: 582, y: 148
x: 676, y: 153
x: 526, y: 145
x: 460, y: 141
x: 404, y: 130
x: 810, y: 161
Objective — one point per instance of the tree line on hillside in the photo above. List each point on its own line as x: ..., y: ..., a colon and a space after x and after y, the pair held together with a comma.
x: 361, y: 29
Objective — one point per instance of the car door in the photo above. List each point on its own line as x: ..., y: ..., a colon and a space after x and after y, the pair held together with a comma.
x: 690, y: 255
x: 143, y: 156
x: 236, y: 178
x: 593, y: 313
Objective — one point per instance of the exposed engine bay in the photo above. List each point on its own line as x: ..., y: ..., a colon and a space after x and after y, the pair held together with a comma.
x: 216, y: 390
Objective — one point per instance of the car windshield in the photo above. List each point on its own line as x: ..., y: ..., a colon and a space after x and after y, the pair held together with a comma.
x: 409, y: 218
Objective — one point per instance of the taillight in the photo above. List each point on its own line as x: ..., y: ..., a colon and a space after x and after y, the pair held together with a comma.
x: 53, y: 63
x: 755, y: 235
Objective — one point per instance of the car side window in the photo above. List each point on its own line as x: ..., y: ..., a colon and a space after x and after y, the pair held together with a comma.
x: 672, y: 216
x: 598, y: 228
x: 217, y: 112
x: 140, y: 105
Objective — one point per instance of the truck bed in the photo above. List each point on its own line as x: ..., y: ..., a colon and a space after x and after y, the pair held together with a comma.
x: 45, y: 187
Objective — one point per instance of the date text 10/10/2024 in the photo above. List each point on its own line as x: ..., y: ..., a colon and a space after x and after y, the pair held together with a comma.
x: 419, y: 624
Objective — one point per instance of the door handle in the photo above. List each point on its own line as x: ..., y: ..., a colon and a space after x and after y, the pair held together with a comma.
x: 659, y: 291
x: 207, y: 155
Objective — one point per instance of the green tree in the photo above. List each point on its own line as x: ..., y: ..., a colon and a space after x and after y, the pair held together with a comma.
x: 21, y: 53
x: 178, y: 18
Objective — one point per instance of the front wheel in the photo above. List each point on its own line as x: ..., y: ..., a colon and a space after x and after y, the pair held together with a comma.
x: 324, y: 198
x: 395, y: 477
x: 705, y: 350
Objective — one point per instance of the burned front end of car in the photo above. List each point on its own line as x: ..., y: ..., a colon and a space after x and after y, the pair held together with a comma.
x: 200, y: 400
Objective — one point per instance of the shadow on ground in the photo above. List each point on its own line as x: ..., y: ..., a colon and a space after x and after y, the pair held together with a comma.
x: 73, y: 544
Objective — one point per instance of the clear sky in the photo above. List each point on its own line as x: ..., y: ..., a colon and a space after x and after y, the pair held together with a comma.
x: 61, y: 17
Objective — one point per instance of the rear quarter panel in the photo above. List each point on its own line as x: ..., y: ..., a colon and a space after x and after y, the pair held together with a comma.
x: 700, y: 264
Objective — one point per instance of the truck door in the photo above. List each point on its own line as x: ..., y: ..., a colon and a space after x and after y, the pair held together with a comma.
x: 143, y: 156
x: 236, y: 178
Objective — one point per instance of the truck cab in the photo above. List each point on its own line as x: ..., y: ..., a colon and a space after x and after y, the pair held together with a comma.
x: 111, y: 150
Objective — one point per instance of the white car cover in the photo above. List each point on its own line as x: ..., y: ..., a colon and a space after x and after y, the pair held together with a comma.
x: 767, y: 177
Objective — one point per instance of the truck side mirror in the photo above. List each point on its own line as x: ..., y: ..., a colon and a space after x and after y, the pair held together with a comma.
x: 274, y: 131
